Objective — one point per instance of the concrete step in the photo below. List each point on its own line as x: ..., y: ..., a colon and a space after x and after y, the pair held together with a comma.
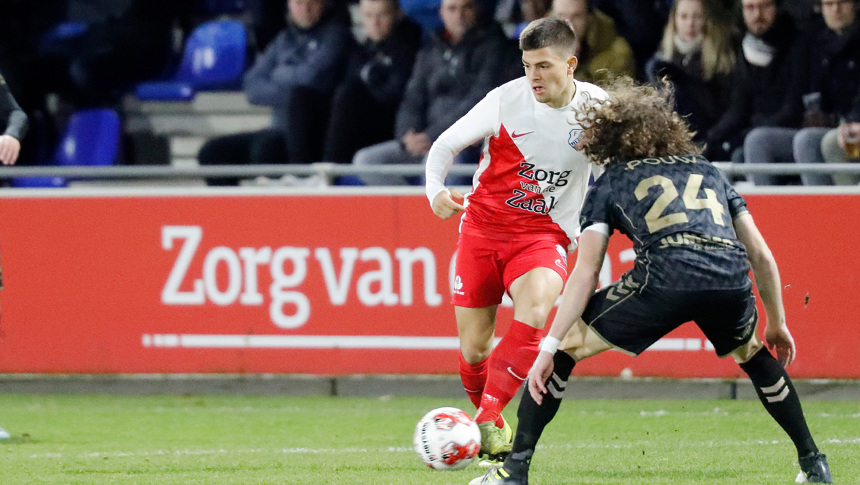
x: 184, y: 162
x: 182, y: 146
x: 203, y: 102
x: 202, y: 125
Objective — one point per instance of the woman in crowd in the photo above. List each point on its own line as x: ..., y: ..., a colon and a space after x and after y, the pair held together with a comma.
x: 697, y: 56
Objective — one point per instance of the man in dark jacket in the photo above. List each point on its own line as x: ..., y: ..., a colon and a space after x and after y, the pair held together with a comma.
x: 296, y: 76
x: 641, y: 23
x: 769, y: 78
x: 452, y: 72
x: 365, y: 103
x: 834, y: 73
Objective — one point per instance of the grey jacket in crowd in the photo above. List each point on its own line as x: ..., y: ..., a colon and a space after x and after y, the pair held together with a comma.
x: 313, y: 58
x: 448, y: 80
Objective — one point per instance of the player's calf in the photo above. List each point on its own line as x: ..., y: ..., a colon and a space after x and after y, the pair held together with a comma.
x: 779, y: 397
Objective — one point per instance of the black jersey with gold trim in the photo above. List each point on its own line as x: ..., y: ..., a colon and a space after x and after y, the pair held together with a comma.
x: 678, y: 211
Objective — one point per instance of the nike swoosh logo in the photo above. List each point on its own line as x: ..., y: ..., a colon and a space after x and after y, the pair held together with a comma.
x: 515, y: 375
x: 515, y: 135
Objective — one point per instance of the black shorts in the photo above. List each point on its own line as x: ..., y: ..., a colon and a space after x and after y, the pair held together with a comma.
x: 632, y: 317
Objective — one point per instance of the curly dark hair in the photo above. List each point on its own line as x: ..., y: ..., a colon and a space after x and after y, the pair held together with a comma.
x: 636, y: 121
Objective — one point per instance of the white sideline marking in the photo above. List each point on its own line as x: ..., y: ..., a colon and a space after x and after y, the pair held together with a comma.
x: 400, y: 449
x: 298, y: 342
x: 203, y: 341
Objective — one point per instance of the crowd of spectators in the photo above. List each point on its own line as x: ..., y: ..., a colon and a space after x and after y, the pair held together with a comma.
x: 374, y: 82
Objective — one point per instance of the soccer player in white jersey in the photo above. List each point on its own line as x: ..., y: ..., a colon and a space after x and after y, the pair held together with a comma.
x: 521, y: 217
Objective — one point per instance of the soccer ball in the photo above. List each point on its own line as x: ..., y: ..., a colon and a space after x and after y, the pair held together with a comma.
x: 447, y: 439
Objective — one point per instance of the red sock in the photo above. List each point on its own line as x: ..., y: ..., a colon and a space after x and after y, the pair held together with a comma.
x: 474, y: 377
x: 509, y: 365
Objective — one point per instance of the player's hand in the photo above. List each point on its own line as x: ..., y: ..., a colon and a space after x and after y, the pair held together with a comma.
x: 538, y: 374
x: 445, y: 206
x: 779, y: 340
x: 10, y: 147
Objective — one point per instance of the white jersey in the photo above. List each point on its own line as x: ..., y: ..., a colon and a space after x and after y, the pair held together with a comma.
x: 530, y: 179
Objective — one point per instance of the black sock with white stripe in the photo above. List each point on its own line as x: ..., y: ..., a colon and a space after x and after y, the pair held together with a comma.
x: 533, y: 418
x: 777, y: 393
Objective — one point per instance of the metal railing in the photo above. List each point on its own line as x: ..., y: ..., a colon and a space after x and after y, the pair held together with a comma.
x: 328, y: 171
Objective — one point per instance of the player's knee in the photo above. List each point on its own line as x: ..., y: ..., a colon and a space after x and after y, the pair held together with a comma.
x: 583, y: 350
x: 746, y: 351
x: 533, y: 315
x: 474, y: 353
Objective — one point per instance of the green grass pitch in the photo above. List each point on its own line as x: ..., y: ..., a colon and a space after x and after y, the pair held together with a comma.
x: 96, y: 439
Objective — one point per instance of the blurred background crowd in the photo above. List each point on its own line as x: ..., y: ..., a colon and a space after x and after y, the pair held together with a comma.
x: 374, y: 82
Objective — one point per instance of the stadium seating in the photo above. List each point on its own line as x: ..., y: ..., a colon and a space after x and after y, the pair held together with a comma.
x: 59, y: 34
x: 91, y: 138
x: 213, y: 59
x: 214, y: 8
x: 425, y: 13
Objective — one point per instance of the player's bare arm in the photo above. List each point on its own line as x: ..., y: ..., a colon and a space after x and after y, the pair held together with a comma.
x: 766, y: 275
x: 445, y: 206
x: 579, y: 288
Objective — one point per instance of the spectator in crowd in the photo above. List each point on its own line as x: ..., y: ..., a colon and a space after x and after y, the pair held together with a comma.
x: 10, y: 146
x: 602, y: 52
x: 452, y: 72
x: 806, y: 15
x: 697, y: 56
x: 531, y: 10
x: 769, y: 77
x: 268, y: 18
x: 296, y: 75
x: 640, y: 23
x: 515, y: 15
x: 365, y: 104
x: 842, y: 145
x: 118, y: 44
x: 22, y: 25
x: 834, y: 73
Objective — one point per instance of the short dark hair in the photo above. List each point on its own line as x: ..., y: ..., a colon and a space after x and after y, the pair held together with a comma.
x: 549, y: 32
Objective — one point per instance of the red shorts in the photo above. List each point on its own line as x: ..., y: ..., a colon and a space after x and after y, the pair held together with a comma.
x: 485, y: 268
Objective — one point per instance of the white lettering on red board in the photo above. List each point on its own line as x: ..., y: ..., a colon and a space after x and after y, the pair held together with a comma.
x: 288, y: 267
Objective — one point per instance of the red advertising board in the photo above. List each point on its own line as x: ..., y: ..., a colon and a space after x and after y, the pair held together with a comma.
x: 334, y: 284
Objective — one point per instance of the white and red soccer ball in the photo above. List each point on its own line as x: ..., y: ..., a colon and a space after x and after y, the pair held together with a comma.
x: 447, y: 439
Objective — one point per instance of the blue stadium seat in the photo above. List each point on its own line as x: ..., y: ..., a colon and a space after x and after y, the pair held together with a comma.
x: 349, y: 180
x: 59, y: 34
x: 425, y: 13
x: 214, y: 58
x: 91, y: 138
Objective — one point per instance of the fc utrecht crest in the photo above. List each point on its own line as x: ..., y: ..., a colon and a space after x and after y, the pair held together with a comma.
x: 575, y: 136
